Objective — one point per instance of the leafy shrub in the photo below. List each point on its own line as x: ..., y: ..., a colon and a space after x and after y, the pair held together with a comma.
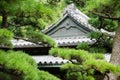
x: 93, y: 49
x: 40, y: 37
x: 46, y: 76
x: 5, y: 37
x: 53, y: 2
x: 83, y: 46
x: 23, y: 65
x: 0, y: 20
x: 85, y: 65
x: 95, y: 35
x: 97, y: 49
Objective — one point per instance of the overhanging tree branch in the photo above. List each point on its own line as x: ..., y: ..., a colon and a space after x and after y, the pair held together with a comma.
x: 104, y: 16
x: 37, y: 43
x: 11, y: 71
x: 111, y: 34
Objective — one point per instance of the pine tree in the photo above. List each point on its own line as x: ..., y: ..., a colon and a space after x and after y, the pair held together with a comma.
x: 108, y: 9
x: 19, y: 63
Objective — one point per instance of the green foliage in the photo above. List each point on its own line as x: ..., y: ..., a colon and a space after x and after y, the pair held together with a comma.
x: 104, y: 7
x: 4, y: 76
x: 23, y: 65
x: 83, y: 46
x: 0, y: 19
x: 110, y: 25
x: 42, y: 23
x: 41, y: 15
x: 92, y: 49
x: 97, y: 4
x: 84, y: 64
x: 95, y: 35
x: 77, y: 72
x: 79, y: 3
x: 97, y: 49
x: 16, y: 5
x: 46, y: 76
x: 40, y: 37
x: 103, y: 66
x: 106, y: 24
x: 5, y: 37
x: 5, y: 5
x: 98, y: 56
x: 103, y: 42
x: 79, y: 55
x: 44, y: 15
x: 94, y: 22
x: 31, y: 13
x: 53, y: 2
x: 27, y: 5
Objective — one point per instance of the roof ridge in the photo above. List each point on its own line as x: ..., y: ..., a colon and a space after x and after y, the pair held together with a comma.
x: 71, y: 8
x: 72, y: 11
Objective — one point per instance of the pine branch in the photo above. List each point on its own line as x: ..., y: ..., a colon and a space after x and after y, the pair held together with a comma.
x: 11, y: 71
x: 37, y: 43
x: 14, y: 24
x: 104, y: 16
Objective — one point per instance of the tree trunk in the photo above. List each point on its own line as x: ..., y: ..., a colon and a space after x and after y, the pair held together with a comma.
x: 115, y: 57
x: 4, y: 20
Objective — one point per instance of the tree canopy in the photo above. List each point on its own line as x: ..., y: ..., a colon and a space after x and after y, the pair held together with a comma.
x: 108, y: 10
x: 24, y: 19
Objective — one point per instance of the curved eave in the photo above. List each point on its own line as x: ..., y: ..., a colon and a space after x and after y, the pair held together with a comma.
x: 74, y: 41
x: 24, y: 44
x: 49, y: 65
x: 49, y: 61
x: 51, y: 27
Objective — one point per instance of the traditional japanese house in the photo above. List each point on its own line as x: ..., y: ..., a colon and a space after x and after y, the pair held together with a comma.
x: 73, y: 28
x: 69, y: 31
x: 39, y: 53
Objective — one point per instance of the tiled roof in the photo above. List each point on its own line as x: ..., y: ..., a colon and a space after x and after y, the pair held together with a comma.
x: 20, y: 43
x: 48, y: 61
x: 51, y: 61
x: 78, y: 16
x: 64, y: 41
x: 81, y: 18
x: 71, y: 41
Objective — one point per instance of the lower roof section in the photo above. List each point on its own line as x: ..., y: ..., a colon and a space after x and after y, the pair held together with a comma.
x: 20, y: 43
x: 73, y: 41
x: 49, y: 61
x: 60, y: 41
